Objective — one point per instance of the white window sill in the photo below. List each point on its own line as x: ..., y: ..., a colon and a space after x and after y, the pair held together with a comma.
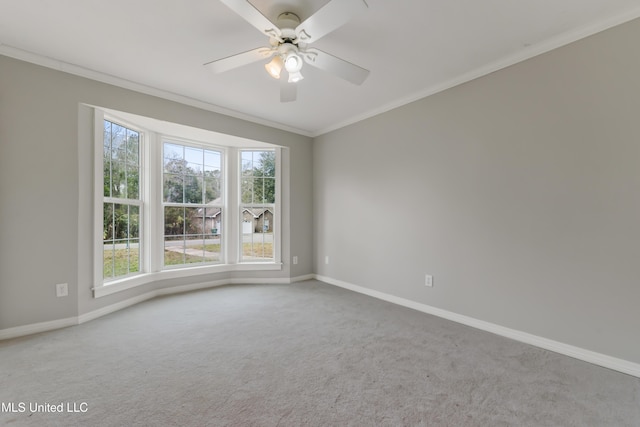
x: 120, y: 285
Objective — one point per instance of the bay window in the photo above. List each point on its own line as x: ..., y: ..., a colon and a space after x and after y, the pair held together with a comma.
x: 173, y: 201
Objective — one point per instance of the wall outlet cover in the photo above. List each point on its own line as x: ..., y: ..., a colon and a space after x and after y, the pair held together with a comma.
x: 62, y: 290
x: 428, y: 280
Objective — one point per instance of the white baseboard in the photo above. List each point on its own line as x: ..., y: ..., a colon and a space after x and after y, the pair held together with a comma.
x: 599, y: 359
x: 86, y: 317
x: 36, y: 328
x: 302, y: 278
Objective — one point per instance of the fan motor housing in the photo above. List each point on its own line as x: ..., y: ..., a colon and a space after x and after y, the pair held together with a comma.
x: 287, y: 22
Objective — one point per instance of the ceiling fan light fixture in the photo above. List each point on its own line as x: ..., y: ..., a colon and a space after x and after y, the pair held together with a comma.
x: 295, y: 77
x: 274, y: 67
x: 293, y: 63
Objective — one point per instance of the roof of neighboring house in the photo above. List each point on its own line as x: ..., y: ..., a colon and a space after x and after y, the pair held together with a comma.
x: 257, y: 212
x: 213, y: 211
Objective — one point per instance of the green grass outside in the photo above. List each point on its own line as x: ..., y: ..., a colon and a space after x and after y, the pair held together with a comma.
x: 258, y: 250
x: 175, y: 258
x: 127, y: 261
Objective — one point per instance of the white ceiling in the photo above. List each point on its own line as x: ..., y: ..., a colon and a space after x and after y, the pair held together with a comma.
x: 413, y: 48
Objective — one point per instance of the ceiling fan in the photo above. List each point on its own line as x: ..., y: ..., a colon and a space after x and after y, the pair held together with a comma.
x: 289, y: 39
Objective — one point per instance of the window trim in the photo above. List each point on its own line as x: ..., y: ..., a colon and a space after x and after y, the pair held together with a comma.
x: 152, y: 229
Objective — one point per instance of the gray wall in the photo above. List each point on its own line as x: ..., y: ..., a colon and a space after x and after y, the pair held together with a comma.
x: 46, y: 189
x: 519, y: 192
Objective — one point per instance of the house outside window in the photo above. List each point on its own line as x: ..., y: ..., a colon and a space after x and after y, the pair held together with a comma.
x: 257, y: 204
x: 192, y: 204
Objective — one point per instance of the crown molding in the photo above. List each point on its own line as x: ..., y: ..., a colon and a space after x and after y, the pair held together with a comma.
x: 77, y: 70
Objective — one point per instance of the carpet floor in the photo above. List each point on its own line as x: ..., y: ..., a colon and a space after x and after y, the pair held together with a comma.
x: 308, y: 354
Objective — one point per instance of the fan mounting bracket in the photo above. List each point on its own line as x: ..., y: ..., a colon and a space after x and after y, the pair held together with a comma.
x: 287, y: 22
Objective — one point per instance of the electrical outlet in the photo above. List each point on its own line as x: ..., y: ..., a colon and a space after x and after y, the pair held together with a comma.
x: 62, y: 290
x: 326, y: 259
x: 295, y: 259
x: 428, y: 280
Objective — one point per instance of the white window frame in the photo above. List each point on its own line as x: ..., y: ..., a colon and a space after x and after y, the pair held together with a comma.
x: 276, y: 207
x: 152, y: 218
x: 100, y: 200
x: 194, y: 144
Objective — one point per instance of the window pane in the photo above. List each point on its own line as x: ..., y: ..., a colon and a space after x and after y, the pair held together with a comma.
x: 194, y: 169
x: 173, y: 188
x: 268, y: 163
x: 121, y: 258
x: 258, y: 190
x: 248, y: 226
x: 120, y: 221
x: 194, y: 221
x: 213, y: 221
x: 173, y: 151
x: 118, y: 146
x: 134, y: 256
x: 118, y: 179
x: 108, y: 259
x: 212, y: 159
x: 134, y: 222
x: 246, y: 161
x: 213, y: 232
x: 194, y: 249
x: 192, y: 189
x: 106, y: 178
x: 257, y: 234
x: 194, y: 155
x: 107, y: 221
x: 212, y: 190
x: 106, y: 159
x: 121, y: 248
x: 269, y: 190
x: 257, y: 169
x: 173, y: 221
x: 176, y: 166
x: 133, y: 147
x: 106, y: 138
x: 246, y: 190
x: 133, y: 181
x: 212, y: 252
x: 174, y: 250
x: 195, y: 159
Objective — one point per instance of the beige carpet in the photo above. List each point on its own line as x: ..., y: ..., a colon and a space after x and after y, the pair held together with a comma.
x: 298, y: 355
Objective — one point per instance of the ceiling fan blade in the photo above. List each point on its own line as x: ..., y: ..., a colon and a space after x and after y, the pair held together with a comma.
x: 288, y: 91
x: 253, y: 16
x: 235, y: 61
x: 331, y: 16
x: 334, y: 65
